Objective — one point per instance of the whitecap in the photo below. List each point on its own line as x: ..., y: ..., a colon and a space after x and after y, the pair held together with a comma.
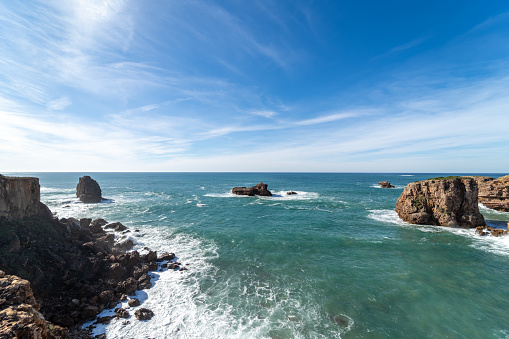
x: 496, y: 245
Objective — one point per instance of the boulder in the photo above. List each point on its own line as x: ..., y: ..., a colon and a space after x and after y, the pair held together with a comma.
x: 486, y: 230
x: 494, y: 193
x: 260, y: 189
x: 88, y: 190
x: 116, y: 226
x: 133, y: 302
x: 442, y: 201
x: 20, y: 198
x: 144, y: 314
x: 122, y: 313
x: 385, y: 184
x: 291, y: 193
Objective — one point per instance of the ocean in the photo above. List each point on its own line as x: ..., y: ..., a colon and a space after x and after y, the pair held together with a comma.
x: 333, y: 261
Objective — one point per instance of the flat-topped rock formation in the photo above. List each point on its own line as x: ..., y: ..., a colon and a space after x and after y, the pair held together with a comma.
x: 441, y: 201
x: 260, y: 189
x: 494, y: 193
x: 385, y: 184
x: 21, y: 198
x: 88, y: 190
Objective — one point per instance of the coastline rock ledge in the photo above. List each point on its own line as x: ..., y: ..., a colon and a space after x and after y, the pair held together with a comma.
x: 448, y: 202
x: 260, y: 189
x: 88, y: 190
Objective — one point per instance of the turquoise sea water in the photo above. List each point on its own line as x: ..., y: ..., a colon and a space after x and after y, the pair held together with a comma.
x: 333, y: 261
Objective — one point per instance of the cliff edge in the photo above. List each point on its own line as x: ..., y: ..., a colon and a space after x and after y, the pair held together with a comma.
x: 448, y: 202
x: 21, y: 198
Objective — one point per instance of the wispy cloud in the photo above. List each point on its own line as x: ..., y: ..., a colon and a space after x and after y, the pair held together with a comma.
x: 265, y: 114
x: 59, y: 104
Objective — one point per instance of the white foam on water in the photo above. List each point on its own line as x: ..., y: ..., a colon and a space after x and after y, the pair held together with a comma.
x: 280, y: 195
x: 395, y: 186
x: 486, y: 210
x: 223, y: 195
x: 496, y: 245
x: 57, y: 190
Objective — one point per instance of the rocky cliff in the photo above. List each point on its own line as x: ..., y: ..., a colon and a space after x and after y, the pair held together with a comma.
x: 494, y: 193
x: 88, y: 190
x: 442, y: 201
x: 20, y: 198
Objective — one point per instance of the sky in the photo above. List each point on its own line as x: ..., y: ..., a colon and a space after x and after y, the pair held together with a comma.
x: 254, y: 86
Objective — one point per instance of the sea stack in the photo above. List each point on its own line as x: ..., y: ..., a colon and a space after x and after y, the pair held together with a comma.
x: 260, y: 189
x: 88, y: 190
x: 448, y: 202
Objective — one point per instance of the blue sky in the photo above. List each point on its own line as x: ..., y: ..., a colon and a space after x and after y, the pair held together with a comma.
x: 319, y: 86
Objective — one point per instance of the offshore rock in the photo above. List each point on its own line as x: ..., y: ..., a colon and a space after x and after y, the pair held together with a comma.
x: 260, y: 189
x: 385, y: 184
x: 442, y: 201
x: 88, y: 190
x: 21, y: 198
x: 494, y: 193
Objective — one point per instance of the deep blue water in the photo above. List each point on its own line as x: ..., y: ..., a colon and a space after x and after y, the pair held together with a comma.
x: 332, y: 261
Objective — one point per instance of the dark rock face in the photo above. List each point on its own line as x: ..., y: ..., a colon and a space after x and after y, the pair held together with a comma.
x: 385, y: 184
x: 88, y: 190
x: 143, y: 314
x: 291, y: 193
x: 20, y: 198
x: 260, y: 189
x: 494, y: 193
x: 133, y: 302
x: 443, y: 202
x: 75, y: 272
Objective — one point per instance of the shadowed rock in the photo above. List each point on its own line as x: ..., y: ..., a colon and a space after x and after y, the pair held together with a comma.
x: 88, y: 190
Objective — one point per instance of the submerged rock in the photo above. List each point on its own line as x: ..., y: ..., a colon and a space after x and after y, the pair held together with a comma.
x: 291, y: 193
x: 88, y: 190
x: 441, y: 201
x: 486, y: 230
x: 260, y: 189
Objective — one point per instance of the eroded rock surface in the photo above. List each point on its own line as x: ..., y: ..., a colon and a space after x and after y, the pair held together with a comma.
x: 21, y: 198
x: 88, y: 190
x: 444, y: 202
x: 19, y: 316
x: 260, y: 189
x: 494, y: 193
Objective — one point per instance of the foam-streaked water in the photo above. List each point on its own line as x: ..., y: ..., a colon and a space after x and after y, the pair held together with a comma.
x: 333, y: 261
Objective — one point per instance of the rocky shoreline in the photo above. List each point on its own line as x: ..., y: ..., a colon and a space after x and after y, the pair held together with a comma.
x: 56, y: 274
